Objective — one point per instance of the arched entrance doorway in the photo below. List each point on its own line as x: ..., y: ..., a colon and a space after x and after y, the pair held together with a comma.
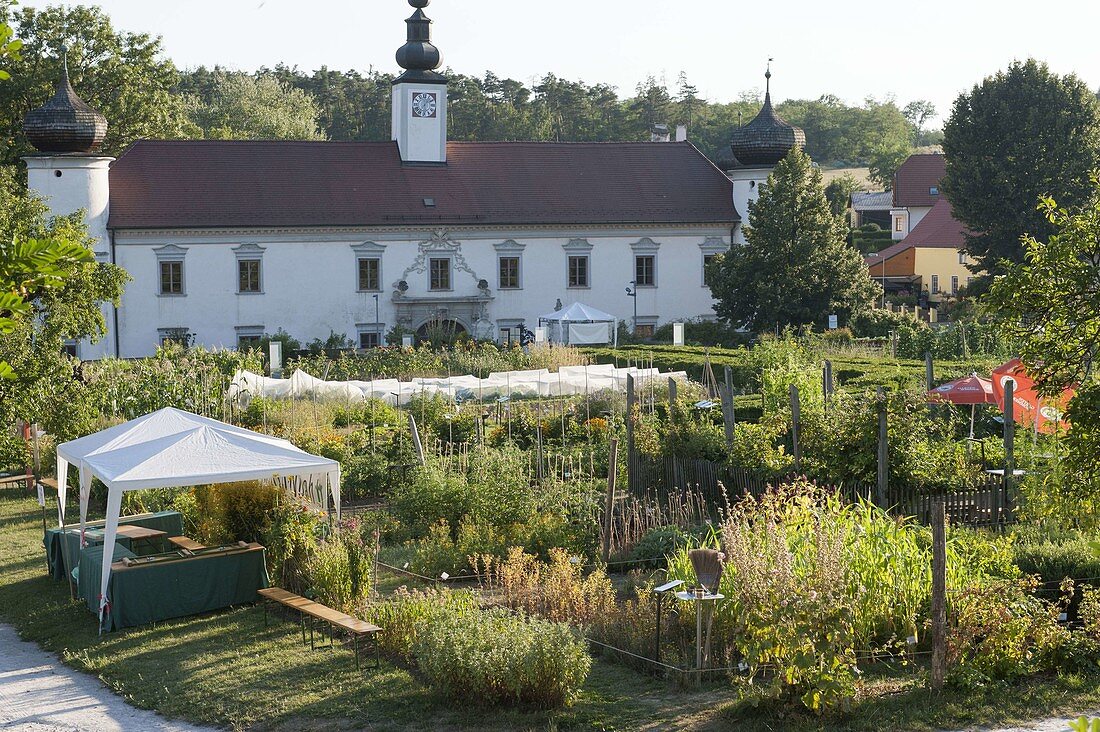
x: 441, y: 332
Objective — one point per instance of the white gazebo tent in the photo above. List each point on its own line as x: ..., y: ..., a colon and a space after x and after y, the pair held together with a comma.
x: 580, y: 324
x: 173, y: 448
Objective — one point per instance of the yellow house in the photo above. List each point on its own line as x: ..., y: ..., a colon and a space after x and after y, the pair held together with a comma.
x: 929, y: 259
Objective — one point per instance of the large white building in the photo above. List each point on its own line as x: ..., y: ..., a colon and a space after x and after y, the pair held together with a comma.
x: 229, y: 240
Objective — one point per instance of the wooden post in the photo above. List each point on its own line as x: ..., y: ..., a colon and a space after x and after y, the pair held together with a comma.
x: 630, y: 432
x: 609, y: 501
x: 1010, y: 443
x: 939, y: 595
x: 795, y: 418
x: 416, y: 439
x: 929, y: 380
x: 727, y: 413
x: 672, y: 394
x: 883, y: 449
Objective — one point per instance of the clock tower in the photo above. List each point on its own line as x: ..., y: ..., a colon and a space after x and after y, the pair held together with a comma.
x: 420, y: 94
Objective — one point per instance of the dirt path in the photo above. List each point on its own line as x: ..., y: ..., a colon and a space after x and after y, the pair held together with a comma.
x: 39, y: 694
x: 1057, y: 724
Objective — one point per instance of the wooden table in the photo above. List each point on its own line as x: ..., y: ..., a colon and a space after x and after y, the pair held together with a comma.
x: 184, y: 542
x: 139, y: 533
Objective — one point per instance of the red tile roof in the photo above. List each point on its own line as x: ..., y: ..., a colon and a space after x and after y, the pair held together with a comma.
x: 915, y: 177
x: 201, y: 183
x: 937, y: 230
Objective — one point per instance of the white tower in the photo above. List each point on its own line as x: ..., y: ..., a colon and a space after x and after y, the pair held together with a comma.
x: 757, y: 147
x: 419, y: 109
x: 70, y: 177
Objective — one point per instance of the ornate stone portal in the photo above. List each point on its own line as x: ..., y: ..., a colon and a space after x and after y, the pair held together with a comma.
x: 470, y: 311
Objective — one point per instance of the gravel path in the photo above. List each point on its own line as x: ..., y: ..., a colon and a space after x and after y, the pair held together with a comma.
x: 40, y: 694
x: 1046, y: 725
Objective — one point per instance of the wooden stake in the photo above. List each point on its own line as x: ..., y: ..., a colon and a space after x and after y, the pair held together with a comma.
x: 883, y: 449
x: 727, y: 414
x: 939, y: 594
x: 416, y: 439
x: 609, y: 502
x: 630, y: 432
x: 795, y: 420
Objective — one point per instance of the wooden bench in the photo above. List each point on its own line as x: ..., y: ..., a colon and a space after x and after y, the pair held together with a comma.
x: 183, y: 542
x: 316, y: 611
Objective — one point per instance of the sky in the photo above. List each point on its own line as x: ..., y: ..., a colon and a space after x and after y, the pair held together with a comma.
x: 932, y: 49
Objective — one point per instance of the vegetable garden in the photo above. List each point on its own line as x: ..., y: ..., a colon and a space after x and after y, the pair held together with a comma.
x: 501, y: 567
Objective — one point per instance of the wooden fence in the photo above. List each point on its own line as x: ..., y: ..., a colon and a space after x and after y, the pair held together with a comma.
x: 986, y: 503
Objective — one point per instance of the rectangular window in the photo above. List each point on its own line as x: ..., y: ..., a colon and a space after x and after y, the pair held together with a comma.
x: 369, y: 339
x: 439, y: 274
x: 645, y: 270
x: 962, y: 258
x: 897, y: 223
x: 708, y: 260
x: 954, y: 285
x: 248, y: 275
x: 644, y: 330
x: 370, y: 274
x: 933, y: 191
x: 180, y: 336
x: 969, y: 280
x: 578, y: 271
x: 69, y: 348
x: 935, y: 284
x: 171, y: 278
x: 248, y: 342
x: 509, y: 273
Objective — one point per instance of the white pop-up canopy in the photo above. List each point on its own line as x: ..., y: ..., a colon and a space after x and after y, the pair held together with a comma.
x: 580, y: 323
x: 173, y: 448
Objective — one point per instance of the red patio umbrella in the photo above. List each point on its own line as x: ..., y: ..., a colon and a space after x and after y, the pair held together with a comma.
x: 972, y: 390
x: 1044, y: 414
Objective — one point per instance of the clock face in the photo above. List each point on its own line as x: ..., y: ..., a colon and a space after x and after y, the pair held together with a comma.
x: 423, y: 104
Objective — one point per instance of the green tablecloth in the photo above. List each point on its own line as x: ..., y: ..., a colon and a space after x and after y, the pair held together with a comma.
x: 90, y: 570
x: 182, y: 586
x: 170, y: 522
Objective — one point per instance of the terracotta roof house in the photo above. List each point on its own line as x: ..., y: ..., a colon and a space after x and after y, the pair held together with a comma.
x: 226, y: 241
x: 930, y: 258
x: 916, y: 190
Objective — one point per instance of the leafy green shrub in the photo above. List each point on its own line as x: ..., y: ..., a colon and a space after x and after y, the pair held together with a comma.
x: 406, y: 613
x: 340, y: 569
x: 1055, y: 557
x: 245, y: 508
x: 290, y: 540
x: 370, y: 412
x: 495, y: 657
x: 999, y: 630
x: 659, y: 543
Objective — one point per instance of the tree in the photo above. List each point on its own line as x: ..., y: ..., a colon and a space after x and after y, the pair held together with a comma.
x: 61, y: 305
x: 1050, y: 303
x: 688, y: 103
x: 123, y: 75
x: 1021, y: 134
x: 918, y: 112
x: 9, y: 48
x: 795, y: 267
x: 238, y: 106
x: 885, y: 161
x: 839, y: 193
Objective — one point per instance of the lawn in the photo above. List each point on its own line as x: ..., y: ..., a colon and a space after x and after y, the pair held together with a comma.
x: 229, y: 669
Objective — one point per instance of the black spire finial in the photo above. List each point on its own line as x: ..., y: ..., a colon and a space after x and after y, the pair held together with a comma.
x: 419, y: 57
x: 768, y: 138
x: 65, y: 123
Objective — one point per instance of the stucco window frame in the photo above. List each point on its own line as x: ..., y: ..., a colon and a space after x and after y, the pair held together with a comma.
x: 710, y: 247
x: 645, y: 247
x: 171, y: 253
x: 510, y: 249
x: 434, y: 257
x: 250, y: 252
x: 580, y: 248
x: 248, y: 331
x: 375, y: 329
x: 369, y: 250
